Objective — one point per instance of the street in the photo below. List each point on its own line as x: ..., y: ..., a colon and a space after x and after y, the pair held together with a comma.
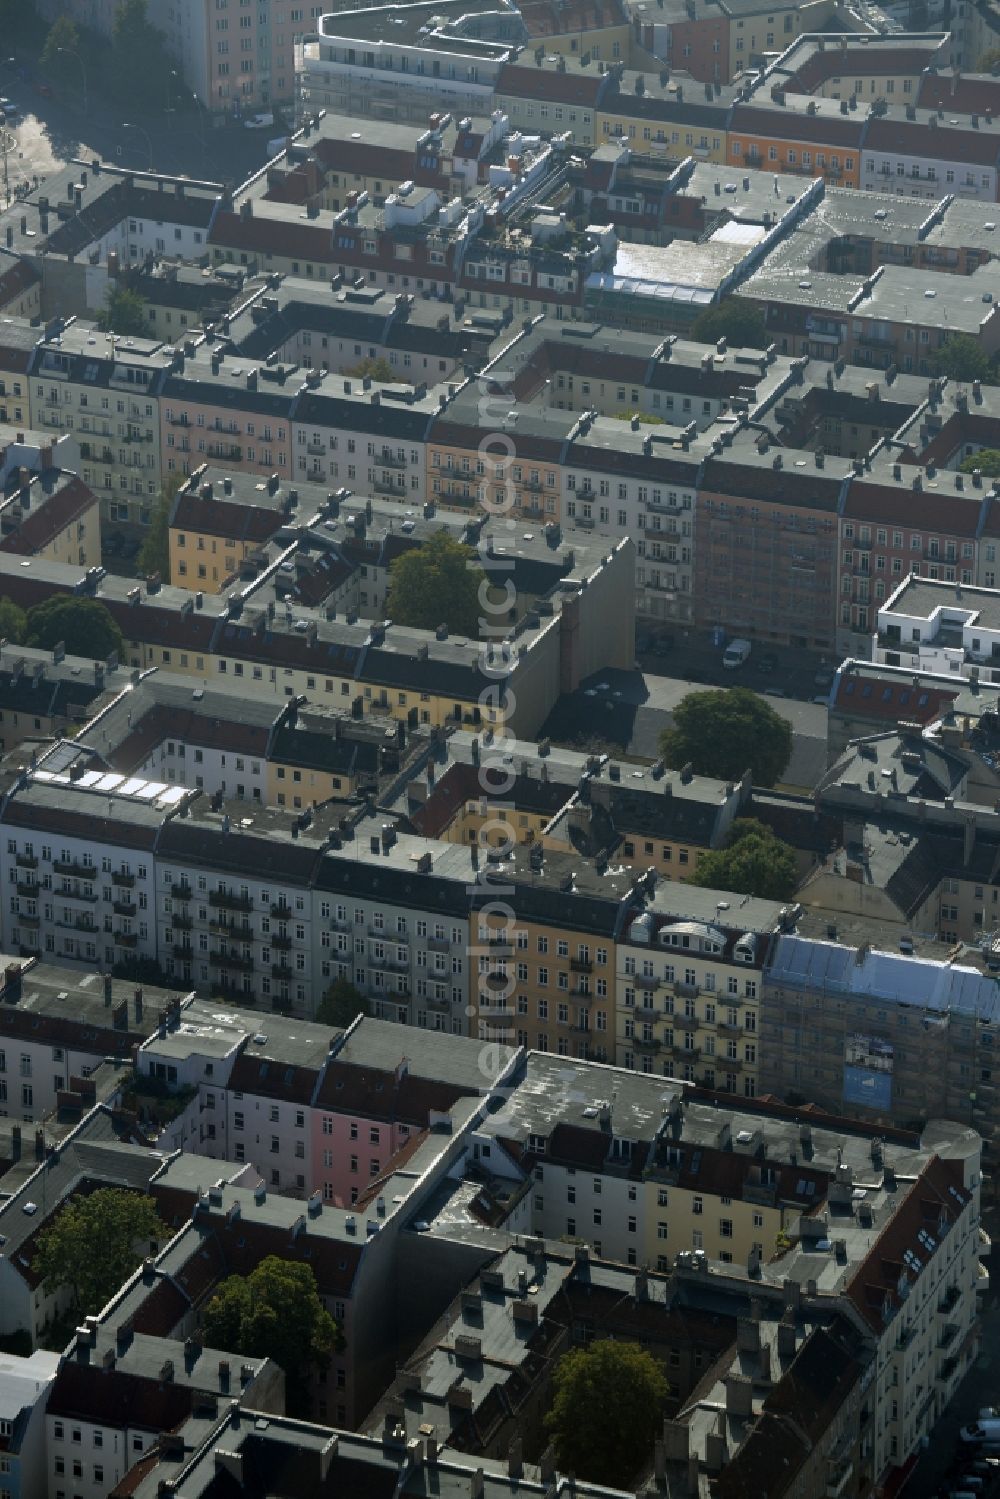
x: 49, y: 131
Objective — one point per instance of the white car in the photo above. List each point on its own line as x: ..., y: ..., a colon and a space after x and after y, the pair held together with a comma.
x: 258, y: 122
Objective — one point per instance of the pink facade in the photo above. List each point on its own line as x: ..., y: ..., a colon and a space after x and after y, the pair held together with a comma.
x: 349, y: 1151
x: 238, y: 435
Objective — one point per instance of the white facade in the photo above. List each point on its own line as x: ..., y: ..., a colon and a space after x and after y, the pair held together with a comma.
x: 24, y: 1386
x: 88, y: 1458
x: 77, y: 900
x: 919, y: 177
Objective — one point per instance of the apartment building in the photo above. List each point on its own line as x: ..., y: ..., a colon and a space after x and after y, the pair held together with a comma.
x: 42, y: 697
x: 361, y: 433
x: 765, y: 547
x: 688, y: 983
x: 941, y: 628
x: 105, y: 390
x: 213, y: 530
x: 878, y: 1033
x: 232, y: 413
x: 446, y: 56
x: 667, y: 118
x: 883, y: 538
x: 815, y: 139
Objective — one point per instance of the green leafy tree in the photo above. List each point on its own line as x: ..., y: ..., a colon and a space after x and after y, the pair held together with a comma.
x: 753, y: 862
x: 987, y: 460
x: 437, y: 583
x: 154, y: 554
x: 379, y: 370
x: 961, y: 358
x: 274, y: 1312
x: 84, y: 625
x: 138, y: 66
x: 124, y: 313
x: 607, y: 1411
x: 63, y: 37
x: 13, y: 621
x: 724, y: 733
x: 340, y: 1004
x: 740, y: 322
x: 94, y: 1243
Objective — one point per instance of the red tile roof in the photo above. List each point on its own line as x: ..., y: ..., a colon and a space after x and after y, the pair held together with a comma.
x: 551, y: 86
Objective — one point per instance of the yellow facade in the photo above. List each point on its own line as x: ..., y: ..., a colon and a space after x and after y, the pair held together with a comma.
x: 79, y: 543
x: 203, y: 562
x: 726, y: 1228
x: 699, y: 1023
x: 296, y: 786
x: 664, y: 138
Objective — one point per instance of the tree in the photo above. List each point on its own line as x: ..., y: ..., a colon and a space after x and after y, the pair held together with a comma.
x: 987, y: 460
x: 274, y: 1312
x: 63, y: 37
x: 124, y: 313
x: 379, y: 370
x: 739, y: 322
x: 84, y: 625
x: 341, y: 1003
x: 154, y: 555
x: 607, y: 1411
x: 960, y: 358
x: 12, y: 621
x: 94, y: 1243
x: 139, y: 61
x: 437, y: 583
x: 725, y: 733
x: 753, y: 862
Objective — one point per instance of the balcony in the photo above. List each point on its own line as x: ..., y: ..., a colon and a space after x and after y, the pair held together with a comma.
x: 646, y: 981
x: 281, y: 911
x: 224, y: 452
x: 26, y: 861
x: 69, y: 894
x: 282, y: 971
x: 29, y: 889
x: 645, y: 1044
x: 122, y: 877
x: 183, y: 950
x: 281, y: 943
x: 80, y: 924
x: 838, y: 1479
x: 386, y: 484
x: 124, y: 907
x: 439, y: 944
x: 316, y: 448
x: 231, y: 960
x: 24, y: 919
x: 390, y: 460
x: 948, y: 1334
x: 583, y: 993
x: 581, y: 965
x: 74, y: 867
x: 229, y: 900
x: 181, y: 892
x: 686, y: 1022
x: 220, y: 927
x: 127, y: 939
x: 948, y: 1299
x: 181, y: 922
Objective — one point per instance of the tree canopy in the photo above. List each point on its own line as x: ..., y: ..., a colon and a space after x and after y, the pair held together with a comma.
x: 154, y: 555
x: 725, y: 733
x: 741, y: 323
x: 274, y: 1312
x: 341, y: 1003
x: 94, y: 1243
x: 961, y: 358
x: 987, y: 460
x: 139, y: 63
x: 379, y: 370
x: 13, y: 621
x: 607, y: 1411
x: 434, y: 584
x: 63, y: 37
x: 84, y: 625
x: 124, y: 312
x: 753, y: 862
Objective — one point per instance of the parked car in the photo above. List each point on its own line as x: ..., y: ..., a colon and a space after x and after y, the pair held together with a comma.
x: 767, y: 662
x: 258, y: 122
x: 982, y: 1431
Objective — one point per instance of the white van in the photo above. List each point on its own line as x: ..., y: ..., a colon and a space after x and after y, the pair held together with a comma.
x: 736, y: 653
